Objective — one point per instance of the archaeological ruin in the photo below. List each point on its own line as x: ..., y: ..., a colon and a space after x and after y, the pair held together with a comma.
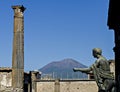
x: 16, y: 80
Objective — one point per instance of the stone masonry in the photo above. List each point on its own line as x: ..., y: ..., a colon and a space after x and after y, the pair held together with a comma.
x: 5, y: 79
x: 18, y: 49
x: 67, y: 86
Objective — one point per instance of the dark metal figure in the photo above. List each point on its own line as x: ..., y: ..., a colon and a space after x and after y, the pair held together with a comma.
x: 101, y: 71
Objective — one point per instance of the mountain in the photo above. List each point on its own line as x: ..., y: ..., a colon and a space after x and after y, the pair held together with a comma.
x: 63, y: 69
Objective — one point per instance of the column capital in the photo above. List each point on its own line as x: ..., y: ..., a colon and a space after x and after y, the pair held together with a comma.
x: 18, y: 10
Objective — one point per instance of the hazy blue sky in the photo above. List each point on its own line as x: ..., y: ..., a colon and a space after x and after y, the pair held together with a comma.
x: 55, y: 30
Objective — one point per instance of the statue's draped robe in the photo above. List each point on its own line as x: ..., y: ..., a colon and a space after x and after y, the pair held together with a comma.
x: 102, y: 74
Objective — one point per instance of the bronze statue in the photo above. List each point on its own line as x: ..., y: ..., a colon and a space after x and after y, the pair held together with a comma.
x: 101, y: 71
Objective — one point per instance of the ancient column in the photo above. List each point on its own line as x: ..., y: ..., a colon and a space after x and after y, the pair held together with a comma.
x: 18, y: 49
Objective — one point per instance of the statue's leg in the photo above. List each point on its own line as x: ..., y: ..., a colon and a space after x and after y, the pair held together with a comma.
x: 110, y: 85
x: 113, y: 89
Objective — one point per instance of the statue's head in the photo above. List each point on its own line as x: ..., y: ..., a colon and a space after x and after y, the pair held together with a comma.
x: 97, y: 52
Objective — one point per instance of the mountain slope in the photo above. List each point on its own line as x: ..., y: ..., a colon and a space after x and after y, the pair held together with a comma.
x: 63, y: 69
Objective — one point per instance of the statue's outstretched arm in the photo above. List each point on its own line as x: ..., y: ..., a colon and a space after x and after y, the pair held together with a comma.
x: 85, y: 70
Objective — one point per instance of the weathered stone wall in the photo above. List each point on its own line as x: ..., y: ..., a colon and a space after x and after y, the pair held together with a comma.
x: 34, y: 84
x: 67, y: 86
x: 5, y: 78
x: 112, y: 66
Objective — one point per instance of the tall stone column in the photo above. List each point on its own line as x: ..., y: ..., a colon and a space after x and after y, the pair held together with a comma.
x: 18, y: 49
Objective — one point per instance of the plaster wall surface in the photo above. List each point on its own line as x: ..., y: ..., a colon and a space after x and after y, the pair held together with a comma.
x: 5, y: 79
x: 68, y: 86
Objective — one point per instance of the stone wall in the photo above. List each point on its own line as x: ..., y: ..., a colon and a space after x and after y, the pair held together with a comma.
x: 112, y: 66
x: 67, y: 86
x: 5, y: 78
x: 34, y: 84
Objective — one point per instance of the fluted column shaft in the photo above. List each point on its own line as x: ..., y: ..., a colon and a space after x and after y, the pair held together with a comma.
x: 18, y: 48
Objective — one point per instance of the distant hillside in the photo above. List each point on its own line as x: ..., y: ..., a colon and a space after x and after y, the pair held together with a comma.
x: 63, y: 69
